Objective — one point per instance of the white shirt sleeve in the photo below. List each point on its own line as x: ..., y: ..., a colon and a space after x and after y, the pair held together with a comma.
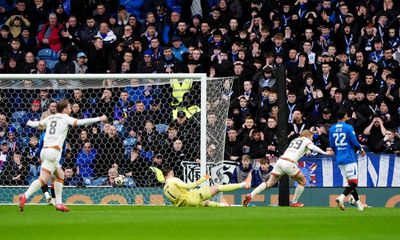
x: 314, y: 148
x: 37, y: 124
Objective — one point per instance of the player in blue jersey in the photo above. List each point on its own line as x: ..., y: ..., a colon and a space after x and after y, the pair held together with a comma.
x: 343, y: 141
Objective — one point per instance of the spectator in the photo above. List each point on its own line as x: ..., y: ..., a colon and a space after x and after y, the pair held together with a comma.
x: 106, y: 34
x: 261, y: 174
x: 31, y: 154
x: 15, y: 171
x: 49, y: 35
x: 390, y: 143
x: 108, y: 159
x: 85, y: 162
x: 374, y: 132
x: 5, y: 155
x: 71, y: 178
x: 136, y: 168
x: 243, y: 170
x: 65, y: 65
x: 89, y: 30
x: 79, y: 64
x: 29, y: 62
x: 16, y: 24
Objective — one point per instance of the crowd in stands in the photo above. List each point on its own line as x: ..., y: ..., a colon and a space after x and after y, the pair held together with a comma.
x: 337, y: 54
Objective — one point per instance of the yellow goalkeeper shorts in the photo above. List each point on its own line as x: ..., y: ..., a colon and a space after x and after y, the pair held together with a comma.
x: 195, y: 197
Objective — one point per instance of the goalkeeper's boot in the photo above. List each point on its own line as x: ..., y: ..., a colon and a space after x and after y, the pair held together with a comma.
x: 62, y: 208
x: 22, y: 201
x: 298, y: 204
x: 248, y: 181
x: 340, y: 203
x: 247, y: 200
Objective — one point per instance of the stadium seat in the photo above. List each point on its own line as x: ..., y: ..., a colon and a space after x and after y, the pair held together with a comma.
x: 51, y: 64
x: 18, y: 117
x: 47, y: 54
x: 161, y: 128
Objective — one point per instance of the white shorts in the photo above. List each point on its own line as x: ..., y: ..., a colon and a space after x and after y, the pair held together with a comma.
x: 349, y: 171
x: 285, y: 167
x: 50, y: 159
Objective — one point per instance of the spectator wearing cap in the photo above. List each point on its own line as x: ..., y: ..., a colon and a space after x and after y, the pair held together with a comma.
x: 327, y: 118
x: 178, y: 48
x: 80, y: 63
x: 13, y: 142
x: 49, y: 35
x: 16, y: 23
x: 147, y: 65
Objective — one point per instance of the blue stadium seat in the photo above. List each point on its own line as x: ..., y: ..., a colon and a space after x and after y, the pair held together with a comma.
x: 18, y: 117
x: 51, y: 64
x: 47, y: 54
x: 161, y: 128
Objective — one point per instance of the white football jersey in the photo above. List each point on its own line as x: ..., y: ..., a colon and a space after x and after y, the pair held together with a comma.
x: 297, y: 148
x: 57, y: 126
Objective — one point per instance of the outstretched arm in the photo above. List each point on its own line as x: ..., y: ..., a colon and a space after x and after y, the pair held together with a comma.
x: 314, y: 148
x: 80, y: 122
x: 36, y: 124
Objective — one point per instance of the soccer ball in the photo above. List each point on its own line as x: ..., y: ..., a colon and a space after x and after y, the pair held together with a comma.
x: 120, y: 180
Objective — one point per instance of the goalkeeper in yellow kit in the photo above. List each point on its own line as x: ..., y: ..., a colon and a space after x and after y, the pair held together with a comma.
x: 183, y: 194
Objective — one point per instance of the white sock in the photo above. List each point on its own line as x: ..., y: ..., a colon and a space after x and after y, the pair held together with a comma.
x: 58, y: 190
x: 341, y: 197
x: 35, y: 185
x: 258, y: 189
x: 297, y: 193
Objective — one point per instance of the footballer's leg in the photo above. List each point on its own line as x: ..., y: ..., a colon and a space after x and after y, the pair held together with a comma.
x: 58, y: 187
x: 301, y: 180
x: 208, y: 203
x: 35, y: 186
x: 270, y: 183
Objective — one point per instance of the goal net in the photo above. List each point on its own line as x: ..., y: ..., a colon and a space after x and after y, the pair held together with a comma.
x: 162, y: 120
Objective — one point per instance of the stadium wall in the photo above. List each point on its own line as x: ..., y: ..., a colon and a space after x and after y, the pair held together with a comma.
x: 316, y: 197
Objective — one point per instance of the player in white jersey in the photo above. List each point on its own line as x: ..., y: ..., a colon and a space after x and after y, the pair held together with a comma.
x: 56, y: 126
x: 287, y: 164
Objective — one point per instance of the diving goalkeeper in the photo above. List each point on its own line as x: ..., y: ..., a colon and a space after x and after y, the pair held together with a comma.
x: 183, y: 194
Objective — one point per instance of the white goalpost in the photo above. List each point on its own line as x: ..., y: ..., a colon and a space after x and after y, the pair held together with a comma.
x: 162, y: 120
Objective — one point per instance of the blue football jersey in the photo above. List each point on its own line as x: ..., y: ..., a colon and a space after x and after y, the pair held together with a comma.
x: 343, y: 141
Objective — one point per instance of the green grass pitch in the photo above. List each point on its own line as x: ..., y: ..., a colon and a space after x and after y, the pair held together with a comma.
x: 138, y: 222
